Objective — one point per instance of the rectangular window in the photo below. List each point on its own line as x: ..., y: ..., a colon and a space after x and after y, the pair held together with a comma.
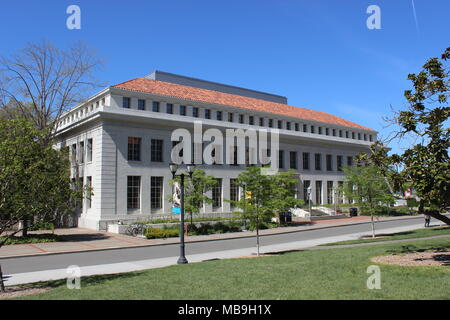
x: 353, y: 135
x: 327, y: 131
x: 133, y: 192
x: 89, y: 151
x: 230, y: 117
x: 234, y: 191
x: 156, y: 192
x: 288, y: 125
x: 329, y: 162
x: 365, y: 137
x: 349, y: 161
x: 293, y: 159
x: 207, y: 114
x: 89, y: 197
x: 217, y: 194
x: 340, y: 133
x: 297, y: 127
x: 280, y: 124
x: 370, y: 138
x: 195, y: 112
x: 306, y: 160
x: 235, y: 156
x: 155, y: 107
x: 134, y: 149
x: 330, y: 192
x: 219, y: 115
x: 141, y: 104
x: 339, y: 163
x: 313, y: 129
x: 169, y: 108
x: 305, y: 128
x: 81, y: 151
x: 182, y: 110
x: 241, y: 118
x: 280, y: 159
x: 261, y: 122
x: 359, y: 136
x: 346, y: 134
x: 318, y: 162
x: 157, y: 150
x: 340, y: 185
x: 334, y: 132
x: 126, y: 102
x: 270, y: 123
x: 320, y: 130
x: 318, y: 192
x: 74, y: 154
x: 251, y: 120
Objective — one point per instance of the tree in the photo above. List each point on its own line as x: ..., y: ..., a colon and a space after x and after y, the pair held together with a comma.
x: 195, y: 192
x: 364, y: 185
x: 47, y: 80
x: 264, y: 196
x: 35, y: 181
x: 425, y: 164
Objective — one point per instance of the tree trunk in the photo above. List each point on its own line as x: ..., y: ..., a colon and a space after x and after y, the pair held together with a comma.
x: 433, y: 213
x: 373, y: 225
x: 25, y: 228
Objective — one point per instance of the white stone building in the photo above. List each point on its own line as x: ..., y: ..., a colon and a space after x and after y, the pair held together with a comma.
x: 120, y: 142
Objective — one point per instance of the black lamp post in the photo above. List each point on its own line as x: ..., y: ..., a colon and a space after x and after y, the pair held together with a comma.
x: 190, y: 169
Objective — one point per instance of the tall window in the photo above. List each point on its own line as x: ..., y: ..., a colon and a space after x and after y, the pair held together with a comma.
x: 207, y: 114
x: 346, y: 134
x: 219, y: 115
x: 334, y: 132
x: 126, y: 102
x: 305, y: 160
x: 261, y: 122
x: 183, y: 110
x: 230, y: 116
x: 293, y: 159
x: 89, y: 151
x: 134, y: 149
x: 329, y: 192
x: 280, y: 124
x: 327, y: 131
x: 157, y: 150
x: 280, y: 159
x: 217, y: 194
x: 318, y: 162
x: 329, y: 162
x: 234, y: 191
x: 353, y: 135
x: 133, y: 192
x: 318, y: 192
x: 297, y: 127
x: 288, y: 125
x: 305, y: 128
x: 89, y: 197
x: 81, y: 151
x: 339, y: 163
x: 155, y: 107
x: 141, y: 104
x: 156, y: 192
x: 251, y: 120
x: 74, y: 154
x: 169, y: 108
x: 241, y: 118
x: 340, y: 133
x: 270, y: 123
x: 313, y: 129
x: 320, y: 130
x: 195, y: 112
x: 340, y: 198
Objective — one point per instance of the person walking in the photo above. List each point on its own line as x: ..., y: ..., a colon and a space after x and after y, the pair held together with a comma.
x: 427, y: 220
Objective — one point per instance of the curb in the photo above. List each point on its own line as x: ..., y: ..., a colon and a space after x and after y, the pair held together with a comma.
x: 196, y: 241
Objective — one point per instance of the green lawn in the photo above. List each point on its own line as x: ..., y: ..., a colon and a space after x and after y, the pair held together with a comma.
x: 418, y: 233
x: 338, y: 273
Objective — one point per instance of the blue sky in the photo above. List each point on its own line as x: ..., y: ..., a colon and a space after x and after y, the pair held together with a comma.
x: 319, y: 54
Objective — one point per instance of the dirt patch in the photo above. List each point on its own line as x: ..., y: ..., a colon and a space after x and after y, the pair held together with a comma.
x: 425, y: 259
x: 13, y: 292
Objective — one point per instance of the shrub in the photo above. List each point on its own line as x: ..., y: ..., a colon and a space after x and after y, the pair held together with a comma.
x: 32, y: 238
x: 42, y: 226
x: 155, y: 233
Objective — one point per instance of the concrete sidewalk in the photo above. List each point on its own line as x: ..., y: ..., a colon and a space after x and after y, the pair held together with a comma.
x: 79, y: 239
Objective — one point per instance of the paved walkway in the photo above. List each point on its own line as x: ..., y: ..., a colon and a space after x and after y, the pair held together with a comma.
x: 79, y: 239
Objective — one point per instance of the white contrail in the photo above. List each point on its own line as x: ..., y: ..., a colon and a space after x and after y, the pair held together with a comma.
x: 415, y: 16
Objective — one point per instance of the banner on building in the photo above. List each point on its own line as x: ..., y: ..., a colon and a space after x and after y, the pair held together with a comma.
x: 176, y: 207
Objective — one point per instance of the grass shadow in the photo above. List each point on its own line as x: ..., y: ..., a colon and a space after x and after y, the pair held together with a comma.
x: 83, y: 237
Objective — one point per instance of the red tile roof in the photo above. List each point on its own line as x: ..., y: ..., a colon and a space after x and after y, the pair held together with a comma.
x: 215, y: 97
